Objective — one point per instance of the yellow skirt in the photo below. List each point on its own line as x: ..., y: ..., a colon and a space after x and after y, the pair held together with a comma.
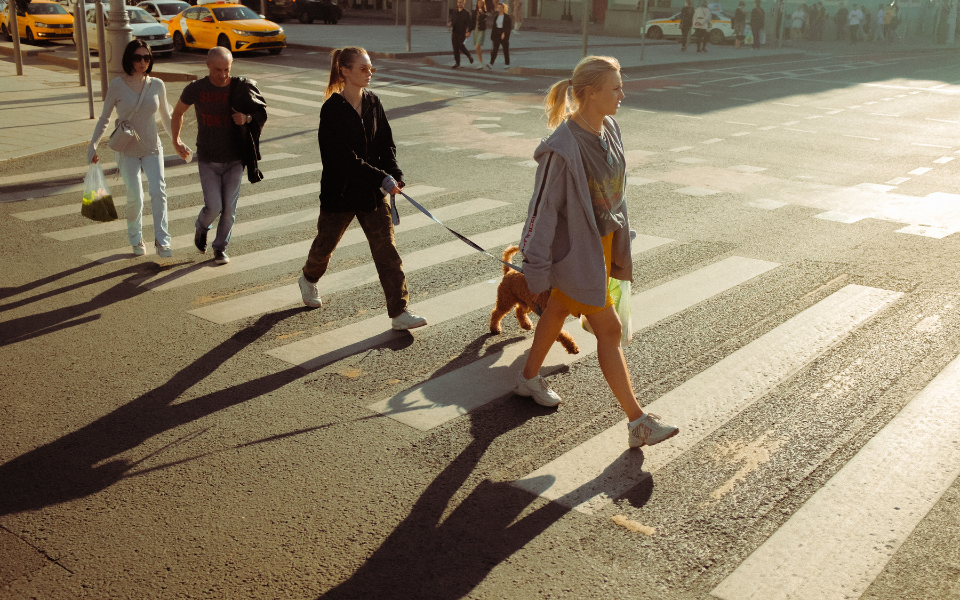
x: 576, y: 308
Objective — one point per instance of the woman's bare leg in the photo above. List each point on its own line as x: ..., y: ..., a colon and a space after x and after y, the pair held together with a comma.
x: 606, y: 326
x: 548, y: 328
x: 479, y: 53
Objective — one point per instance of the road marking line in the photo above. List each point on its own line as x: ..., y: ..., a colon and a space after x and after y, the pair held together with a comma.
x: 943, y: 159
x: 785, y: 104
x: 688, y: 116
x: 640, y: 181
x: 739, y: 123
x: 472, y: 79
x: 920, y: 170
x: 52, y: 174
x: 884, y: 115
x: 481, y: 75
x: 747, y: 168
x: 273, y: 111
x: 898, y: 180
x: 865, y: 512
x: 602, y: 468
x: 862, y: 137
x: 927, y: 231
x: 874, y: 187
x: 800, y: 130
x: 696, y: 191
x: 487, y: 125
x: 768, y: 127
x: 699, y: 94
x: 487, y: 156
x: 744, y: 99
x: 712, y: 141
x: 742, y: 133
x: 766, y: 204
x: 507, y: 133
x: 444, y: 398
x: 839, y: 217
x: 680, y: 149
x: 790, y: 123
x: 291, y: 100
x: 69, y: 209
x: 944, y: 121
x: 487, y: 118
x: 930, y: 145
x: 834, y: 112
x: 690, y: 161
x: 529, y: 163
x: 288, y: 295
x: 287, y: 88
x: 643, y: 111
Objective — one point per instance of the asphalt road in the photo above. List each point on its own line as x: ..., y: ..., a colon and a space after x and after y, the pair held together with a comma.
x: 795, y: 310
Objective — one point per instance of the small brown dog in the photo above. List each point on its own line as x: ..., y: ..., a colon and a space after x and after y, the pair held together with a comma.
x: 513, y: 291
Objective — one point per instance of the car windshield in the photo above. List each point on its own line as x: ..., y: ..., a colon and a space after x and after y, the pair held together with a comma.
x: 173, y: 8
x: 45, y: 8
x: 234, y: 13
x: 138, y: 16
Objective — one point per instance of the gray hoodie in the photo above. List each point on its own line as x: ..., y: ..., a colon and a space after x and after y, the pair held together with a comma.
x: 561, y: 243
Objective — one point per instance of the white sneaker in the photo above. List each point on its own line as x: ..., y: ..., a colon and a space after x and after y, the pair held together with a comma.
x: 479, y: 65
x: 506, y: 67
x: 488, y: 66
x: 310, y: 293
x: 649, y: 431
x: 538, y: 388
x: 140, y: 249
x: 407, y: 320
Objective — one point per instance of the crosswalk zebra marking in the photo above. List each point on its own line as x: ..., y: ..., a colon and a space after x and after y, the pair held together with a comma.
x: 45, y: 175
x: 72, y: 208
x: 472, y: 79
x: 328, y: 347
x: 602, y: 468
x: 483, y: 75
x: 291, y: 99
x: 839, y: 217
x: 277, y: 298
x: 273, y: 111
x: 439, y: 400
x: 298, y: 250
x: 865, y: 512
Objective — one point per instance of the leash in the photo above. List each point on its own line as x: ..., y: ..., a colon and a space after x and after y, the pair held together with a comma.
x: 463, y: 238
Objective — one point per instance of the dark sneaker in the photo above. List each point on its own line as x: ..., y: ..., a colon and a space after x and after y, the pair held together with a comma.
x: 220, y: 257
x: 200, y: 240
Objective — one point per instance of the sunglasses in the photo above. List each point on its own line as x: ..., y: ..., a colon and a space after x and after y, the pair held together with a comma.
x: 368, y: 70
x: 606, y: 148
x: 141, y: 58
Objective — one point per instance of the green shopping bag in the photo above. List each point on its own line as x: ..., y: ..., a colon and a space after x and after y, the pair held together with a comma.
x: 620, y: 292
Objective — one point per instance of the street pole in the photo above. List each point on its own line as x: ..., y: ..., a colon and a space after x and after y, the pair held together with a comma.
x: 396, y: 11
x: 101, y: 43
x: 263, y: 8
x: 15, y: 33
x: 643, y: 27
x: 408, y: 25
x: 585, y: 20
x: 778, y: 23
x: 118, y: 36
x: 952, y: 23
x: 85, y: 50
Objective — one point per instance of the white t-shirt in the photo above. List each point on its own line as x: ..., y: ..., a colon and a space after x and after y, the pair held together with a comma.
x: 798, y: 19
x: 855, y: 16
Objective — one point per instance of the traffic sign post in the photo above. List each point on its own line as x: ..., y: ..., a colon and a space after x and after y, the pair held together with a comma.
x: 101, y: 43
x: 15, y: 34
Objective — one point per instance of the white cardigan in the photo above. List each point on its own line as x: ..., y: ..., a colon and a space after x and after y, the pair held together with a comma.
x: 120, y: 95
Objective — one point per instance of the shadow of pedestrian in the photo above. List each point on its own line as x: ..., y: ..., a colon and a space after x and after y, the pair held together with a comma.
x: 428, y: 556
x: 85, y: 462
x: 7, y: 292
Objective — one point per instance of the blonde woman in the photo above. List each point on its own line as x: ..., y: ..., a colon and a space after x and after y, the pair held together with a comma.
x: 576, y: 222
x: 480, y: 32
x: 500, y: 36
x: 359, y: 169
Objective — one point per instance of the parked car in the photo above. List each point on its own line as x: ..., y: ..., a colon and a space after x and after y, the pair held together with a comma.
x: 144, y: 26
x: 721, y: 28
x: 232, y: 26
x: 164, y: 10
x: 43, y: 20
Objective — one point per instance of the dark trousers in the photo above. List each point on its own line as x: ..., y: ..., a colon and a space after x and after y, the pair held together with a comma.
x: 378, y: 228
x: 458, y: 47
x: 756, y: 35
x: 684, y: 36
x: 853, y: 33
x: 497, y: 42
x: 701, y: 38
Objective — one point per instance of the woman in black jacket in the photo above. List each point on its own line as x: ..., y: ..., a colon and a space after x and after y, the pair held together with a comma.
x: 359, y: 169
x: 502, y: 26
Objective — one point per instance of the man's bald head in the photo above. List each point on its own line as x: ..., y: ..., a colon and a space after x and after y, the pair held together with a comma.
x: 219, y: 61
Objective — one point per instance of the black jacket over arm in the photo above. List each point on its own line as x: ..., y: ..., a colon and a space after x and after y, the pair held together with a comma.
x: 245, y: 97
x: 357, y: 154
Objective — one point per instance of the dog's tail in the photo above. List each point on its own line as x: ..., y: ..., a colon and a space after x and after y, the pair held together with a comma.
x: 508, y: 257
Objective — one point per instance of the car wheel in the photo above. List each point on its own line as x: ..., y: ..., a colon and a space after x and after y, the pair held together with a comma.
x: 178, y: 43
x: 654, y: 33
x: 5, y: 33
x: 305, y: 18
x: 716, y: 37
x: 275, y: 51
x: 223, y: 41
x: 30, y: 39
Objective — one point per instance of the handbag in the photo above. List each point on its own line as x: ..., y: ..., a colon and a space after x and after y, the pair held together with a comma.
x: 124, y: 139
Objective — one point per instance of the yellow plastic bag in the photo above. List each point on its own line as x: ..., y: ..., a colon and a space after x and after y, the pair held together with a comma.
x: 620, y: 292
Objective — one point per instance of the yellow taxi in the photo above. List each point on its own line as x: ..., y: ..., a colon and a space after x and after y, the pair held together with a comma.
x: 43, y: 20
x: 226, y: 24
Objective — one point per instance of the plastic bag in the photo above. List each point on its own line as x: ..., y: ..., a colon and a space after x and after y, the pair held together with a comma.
x: 97, y: 199
x: 620, y: 292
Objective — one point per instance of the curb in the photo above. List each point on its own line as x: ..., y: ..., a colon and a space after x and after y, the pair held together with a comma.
x: 63, y: 61
x: 373, y: 54
x: 25, y: 50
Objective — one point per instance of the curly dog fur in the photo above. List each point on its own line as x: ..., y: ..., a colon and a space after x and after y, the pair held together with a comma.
x: 513, y: 291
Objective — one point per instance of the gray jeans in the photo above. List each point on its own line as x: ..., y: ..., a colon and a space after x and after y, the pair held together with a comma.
x: 221, y: 192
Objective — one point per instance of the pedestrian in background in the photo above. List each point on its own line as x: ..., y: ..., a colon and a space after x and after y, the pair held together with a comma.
x: 739, y: 24
x: 461, y: 23
x: 879, y: 23
x: 222, y: 134
x: 517, y: 14
x: 796, y: 25
x: 854, y: 23
x: 502, y: 26
x: 686, y: 23
x: 359, y: 169
x: 841, y: 21
x: 480, y: 32
x: 757, y: 21
x: 124, y: 94
x: 576, y: 221
x: 702, y: 20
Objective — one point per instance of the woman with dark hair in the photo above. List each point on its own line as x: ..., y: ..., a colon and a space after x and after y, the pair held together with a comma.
x: 137, y: 98
x: 480, y: 31
x: 577, y: 235
x: 359, y: 170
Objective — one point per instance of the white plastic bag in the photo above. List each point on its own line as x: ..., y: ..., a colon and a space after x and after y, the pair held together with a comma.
x: 97, y: 202
x: 622, y: 298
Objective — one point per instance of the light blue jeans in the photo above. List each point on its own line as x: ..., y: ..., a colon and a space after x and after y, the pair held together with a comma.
x: 221, y: 191
x: 152, y: 166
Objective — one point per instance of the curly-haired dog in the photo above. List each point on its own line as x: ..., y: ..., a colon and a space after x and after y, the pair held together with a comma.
x: 513, y: 291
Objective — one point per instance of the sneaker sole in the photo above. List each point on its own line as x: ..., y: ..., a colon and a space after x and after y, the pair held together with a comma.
x: 519, y: 392
x: 408, y: 328
x: 675, y: 432
x: 222, y: 262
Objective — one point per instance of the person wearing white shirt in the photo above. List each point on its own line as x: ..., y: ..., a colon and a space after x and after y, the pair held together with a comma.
x: 856, y: 15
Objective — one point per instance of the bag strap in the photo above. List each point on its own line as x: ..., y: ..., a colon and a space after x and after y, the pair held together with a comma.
x: 143, y: 94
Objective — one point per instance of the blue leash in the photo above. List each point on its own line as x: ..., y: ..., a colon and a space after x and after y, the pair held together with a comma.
x: 463, y: 238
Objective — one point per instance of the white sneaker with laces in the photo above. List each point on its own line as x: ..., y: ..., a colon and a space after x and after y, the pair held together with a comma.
x: 310, y: 293
x: 538, y: 389
x: 649, y: 430
x: 407, y: 320
x: 140, y: 249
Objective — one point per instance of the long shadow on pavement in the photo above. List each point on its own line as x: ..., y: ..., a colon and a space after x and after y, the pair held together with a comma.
x: 84, y: 462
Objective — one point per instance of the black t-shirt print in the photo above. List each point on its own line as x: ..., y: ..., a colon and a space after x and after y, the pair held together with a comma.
x: 218, y: 137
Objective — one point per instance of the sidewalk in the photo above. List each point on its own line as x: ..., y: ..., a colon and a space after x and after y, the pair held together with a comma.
x: 46, y: 109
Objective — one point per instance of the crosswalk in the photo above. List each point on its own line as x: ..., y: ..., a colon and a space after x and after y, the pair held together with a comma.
x: 891, y: 483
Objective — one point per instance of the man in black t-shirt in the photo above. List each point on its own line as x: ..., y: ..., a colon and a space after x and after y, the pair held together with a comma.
x: 218, y: 150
